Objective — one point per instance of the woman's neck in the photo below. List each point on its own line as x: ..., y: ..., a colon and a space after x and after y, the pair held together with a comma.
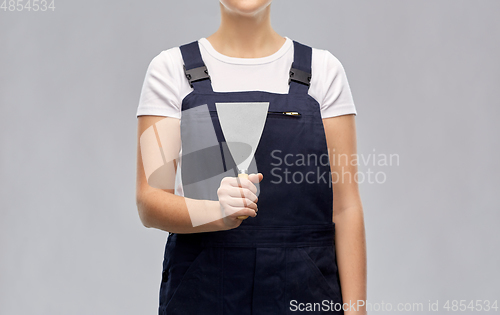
x: 246, y: 36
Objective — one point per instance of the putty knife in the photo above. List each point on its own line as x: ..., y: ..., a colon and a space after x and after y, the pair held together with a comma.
x: 242, y: 123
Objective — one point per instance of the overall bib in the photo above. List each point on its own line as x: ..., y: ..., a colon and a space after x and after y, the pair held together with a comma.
x: 285, y: 256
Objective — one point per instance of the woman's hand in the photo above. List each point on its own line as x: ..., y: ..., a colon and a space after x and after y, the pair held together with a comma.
x: 237, y: 197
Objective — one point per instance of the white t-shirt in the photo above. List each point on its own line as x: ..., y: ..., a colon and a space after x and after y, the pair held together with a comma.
x: 165, y: 84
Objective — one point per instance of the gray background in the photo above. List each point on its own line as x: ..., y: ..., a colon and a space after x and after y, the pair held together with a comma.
x: 424, y: 75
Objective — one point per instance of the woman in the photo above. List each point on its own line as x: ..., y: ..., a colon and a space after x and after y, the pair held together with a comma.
x: 305, y: 251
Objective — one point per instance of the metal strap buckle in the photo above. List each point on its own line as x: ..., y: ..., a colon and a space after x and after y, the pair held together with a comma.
x: 196, y: 74
x: 299, y: 76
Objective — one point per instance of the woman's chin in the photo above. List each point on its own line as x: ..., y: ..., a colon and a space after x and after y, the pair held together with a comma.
x: 245, y: 7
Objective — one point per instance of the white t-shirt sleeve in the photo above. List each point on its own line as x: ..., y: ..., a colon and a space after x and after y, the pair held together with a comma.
x: 332, y: 88
x: 160, y: 91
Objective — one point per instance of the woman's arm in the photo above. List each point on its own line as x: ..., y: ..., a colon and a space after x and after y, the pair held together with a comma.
x: 160, y: 208
x: 347, y: 208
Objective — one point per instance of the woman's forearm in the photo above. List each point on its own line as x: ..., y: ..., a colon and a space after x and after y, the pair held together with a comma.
x: 351, y: 256
x: 165, y: 211
x: 161, y: 208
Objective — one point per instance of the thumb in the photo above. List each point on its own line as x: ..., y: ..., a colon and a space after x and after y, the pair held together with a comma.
x: 255, y: 178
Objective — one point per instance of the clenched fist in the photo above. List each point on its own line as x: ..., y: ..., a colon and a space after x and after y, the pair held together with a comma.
x: 237, y: 197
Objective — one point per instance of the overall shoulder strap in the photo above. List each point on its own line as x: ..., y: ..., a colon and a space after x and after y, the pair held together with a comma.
x: 194, y: 68
x: 300, y: 72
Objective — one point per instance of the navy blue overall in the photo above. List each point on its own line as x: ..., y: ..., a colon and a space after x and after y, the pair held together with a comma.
x: 283, y: 260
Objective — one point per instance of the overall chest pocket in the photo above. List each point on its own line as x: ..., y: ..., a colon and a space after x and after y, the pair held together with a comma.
x: 270, y: 113
x: 284, y: 114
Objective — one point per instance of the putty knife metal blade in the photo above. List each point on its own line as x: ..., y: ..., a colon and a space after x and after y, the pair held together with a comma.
x: 242, y: 123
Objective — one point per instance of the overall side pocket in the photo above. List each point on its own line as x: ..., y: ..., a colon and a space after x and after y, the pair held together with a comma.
x: 322, y: 261
x: 308, y: 282
x: 181, y: 263
x: 198, y: 289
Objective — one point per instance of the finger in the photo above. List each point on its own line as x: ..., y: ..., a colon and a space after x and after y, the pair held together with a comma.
x: 242, y: 193
x: 244, y: 212
x: 255, y: 178
x: 239, y: 202
x: 237, y: 211
x: 246, y: 183
x: 240, y: 182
